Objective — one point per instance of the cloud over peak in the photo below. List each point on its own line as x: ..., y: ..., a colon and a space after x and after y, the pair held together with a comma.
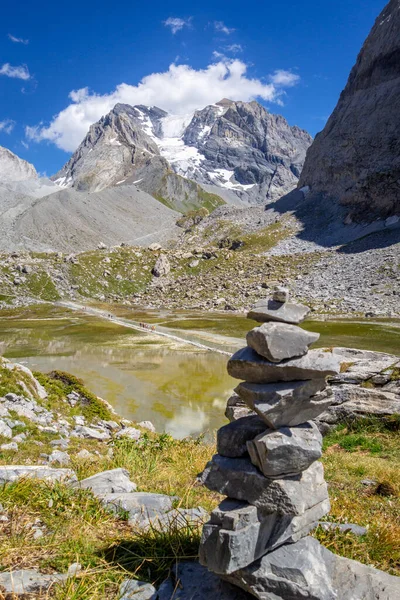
x: 19, y: 72
x: 179, y: 90
x: 176, y: 24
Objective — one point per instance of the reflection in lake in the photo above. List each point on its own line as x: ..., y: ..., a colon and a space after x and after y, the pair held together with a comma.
x: 182, y: 391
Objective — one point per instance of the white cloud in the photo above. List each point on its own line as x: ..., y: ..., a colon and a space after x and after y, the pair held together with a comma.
x: 7, y: 125
x: 220, y: 26
x: 177, y: 24
x: 20, y: 72
x: 25, y: 145
x: 17, y: 40
x: 284, y: 78
x: 234, y: 48
x: 179, y: 90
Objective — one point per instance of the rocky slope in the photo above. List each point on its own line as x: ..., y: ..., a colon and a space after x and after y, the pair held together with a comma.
x: 13, y: 168
x: 355, y: 160
x: 234, y: 149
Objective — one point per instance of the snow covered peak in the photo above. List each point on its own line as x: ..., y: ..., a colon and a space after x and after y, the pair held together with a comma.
x: 13, y: 168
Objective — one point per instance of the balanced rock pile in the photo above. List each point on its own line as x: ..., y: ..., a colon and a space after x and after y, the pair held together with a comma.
x: 267, y: 463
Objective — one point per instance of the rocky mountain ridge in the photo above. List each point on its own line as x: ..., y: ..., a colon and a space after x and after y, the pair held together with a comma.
x: 13, y: 168
x: 234, y: 149
x: 355, y: 160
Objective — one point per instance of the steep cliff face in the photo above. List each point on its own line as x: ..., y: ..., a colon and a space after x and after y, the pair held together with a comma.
x: 13, y: 168
x: 356, y: 158
x: 234, y: 149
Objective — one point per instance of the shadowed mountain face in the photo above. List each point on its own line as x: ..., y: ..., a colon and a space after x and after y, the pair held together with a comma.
x: 356, y: 158
x: 237, y: 151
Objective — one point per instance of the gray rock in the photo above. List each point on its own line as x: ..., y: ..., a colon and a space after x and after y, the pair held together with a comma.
x: 290, y: 404
x: 239, y: 533
x: 354, y: 161
x: 27, y: 581
x: 308, y: 570
x: 238, y: 478
x: 61, y: 443
x: 92, y: 434
x: 129, y: 432
x: 249, y: 366
x: 270, y: 310
x: 162, y: 266
x: 131, y: 589
x: 232, y: 438
x: 287, y: 451
x: 176, y: 519
x: 354, y: 401
x: 344, y: 527
x: 362, y: 365
x: 236, y: 408
x: 9, y: 473
x: 85, y: 455
x: 60, y: 458
x: 141, y: 506
x: 11, y: 447
x: 192, y: 581
x: 281, y: 294
x: 5, y: 430
x: 147, y: 425
x: 280, y: 341
x: 113, y: 481
x: 74, y: 569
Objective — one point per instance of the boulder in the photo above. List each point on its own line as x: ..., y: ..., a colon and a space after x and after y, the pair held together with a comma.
x: 27, y: 581
x: 308, y: 570
x: 131, y: 589
x: 9, y: 473
x: 280, y: 341
x: 239, y: 533
x: 246, y: 364
x: 287, y: 451
x: 197, y: 583
x: 162, y: 266
x: 362, y: 365
x: 5, y: 430
x: 289, y: 404
x: 270, y: 310
x: 141, y: 506
x: 232, y: 438
x: 238, y: 478
x: 113, y: 481
x: 91, y: 433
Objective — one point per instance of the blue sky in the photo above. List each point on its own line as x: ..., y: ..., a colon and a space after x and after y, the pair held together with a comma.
x: 293, y: 56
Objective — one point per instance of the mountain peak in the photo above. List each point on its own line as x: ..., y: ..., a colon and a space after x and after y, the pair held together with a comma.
x: 13, y: 168
x: 225, y: 102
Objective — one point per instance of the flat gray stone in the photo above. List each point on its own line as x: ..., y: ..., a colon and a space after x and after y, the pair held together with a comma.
x: 238, y: 478
x: 239, y: 533
x: 141, y: 506
x: 192, y: 581
x: 10, y: 473
x: 280, y: 341
x: 270, y: 310
x: 236, y: 408
x: 344, y: 527
x: 27, y: 581
x: 130, y: 433
x: 280, y: 294
x: 177, y: 519
x: 91, y: 433
x: 289, y: 404
x: 113, y: 481
x: 5, y: 430
x: 232, y: 438
x: 308, y: 570
x: 247, y: 365
x: 287, y: 451
x: 131, y: 589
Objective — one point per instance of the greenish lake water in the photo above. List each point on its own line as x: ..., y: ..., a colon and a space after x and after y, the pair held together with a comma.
x: 180, y: 389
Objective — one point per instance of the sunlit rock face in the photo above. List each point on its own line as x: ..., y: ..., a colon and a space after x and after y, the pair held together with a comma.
x: 355, y: 160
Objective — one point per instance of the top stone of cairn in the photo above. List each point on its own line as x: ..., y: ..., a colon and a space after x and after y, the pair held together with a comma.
x: 278, y: 309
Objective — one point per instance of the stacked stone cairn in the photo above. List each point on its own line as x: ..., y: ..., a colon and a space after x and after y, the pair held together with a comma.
x: 267, y: 462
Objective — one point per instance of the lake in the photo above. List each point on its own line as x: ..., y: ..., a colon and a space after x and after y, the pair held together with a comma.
x: 181, y: 389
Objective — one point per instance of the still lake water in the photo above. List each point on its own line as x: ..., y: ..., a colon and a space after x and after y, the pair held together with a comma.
x: 182, y: 390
